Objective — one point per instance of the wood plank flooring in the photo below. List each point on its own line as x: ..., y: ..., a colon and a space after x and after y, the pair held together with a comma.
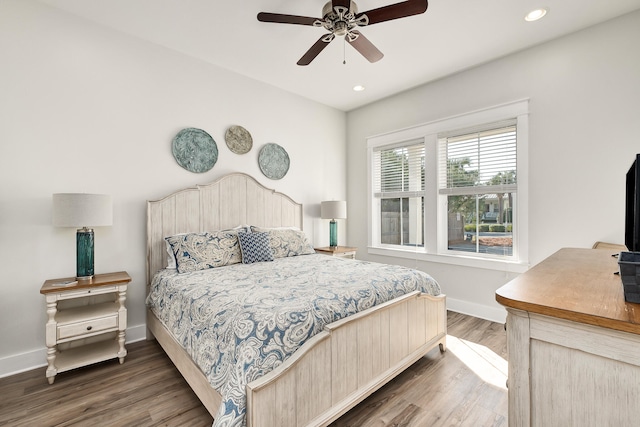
x: 462, y: 387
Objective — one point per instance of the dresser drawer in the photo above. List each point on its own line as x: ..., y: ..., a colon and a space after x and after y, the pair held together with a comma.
x: 87, y: 327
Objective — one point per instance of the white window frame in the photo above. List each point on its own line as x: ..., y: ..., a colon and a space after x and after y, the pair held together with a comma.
x: 435, y: 217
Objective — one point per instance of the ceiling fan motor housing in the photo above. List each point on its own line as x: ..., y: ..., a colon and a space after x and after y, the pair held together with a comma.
x: 328, y: 8
x: 340, y: 21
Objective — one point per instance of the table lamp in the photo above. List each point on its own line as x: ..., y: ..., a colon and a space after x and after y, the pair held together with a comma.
x: 333, y: 210
x: 83, y: 211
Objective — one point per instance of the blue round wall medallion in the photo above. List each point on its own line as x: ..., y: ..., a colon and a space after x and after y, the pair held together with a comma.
x: 273, y: 161
x: 195, y: 150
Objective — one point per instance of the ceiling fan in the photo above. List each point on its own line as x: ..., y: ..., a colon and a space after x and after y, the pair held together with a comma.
x: 341, y: 18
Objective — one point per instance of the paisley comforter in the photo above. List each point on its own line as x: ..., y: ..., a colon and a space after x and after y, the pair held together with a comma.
x: 241, y: 321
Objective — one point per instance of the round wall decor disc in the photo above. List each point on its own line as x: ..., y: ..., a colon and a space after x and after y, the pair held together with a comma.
x: 195, y: 150
x: 238, y: 139
x: 273, y: 161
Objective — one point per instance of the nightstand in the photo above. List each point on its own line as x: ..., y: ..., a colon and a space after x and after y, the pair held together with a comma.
x: 86, y: 321
x: 338, y: 251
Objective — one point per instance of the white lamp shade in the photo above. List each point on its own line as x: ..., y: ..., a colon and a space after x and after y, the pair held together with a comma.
x: 82, y: 210
x: 333, y: 209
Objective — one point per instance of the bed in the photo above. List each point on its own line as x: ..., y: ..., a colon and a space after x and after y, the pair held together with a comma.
x: 343, y: 357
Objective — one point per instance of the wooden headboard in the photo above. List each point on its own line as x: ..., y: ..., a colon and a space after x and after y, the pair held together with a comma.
x: 235, y: 199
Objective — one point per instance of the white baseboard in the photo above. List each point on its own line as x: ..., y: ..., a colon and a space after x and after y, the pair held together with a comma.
x: 136, y: 333
x: 16, y: 363
x: 494, y: 314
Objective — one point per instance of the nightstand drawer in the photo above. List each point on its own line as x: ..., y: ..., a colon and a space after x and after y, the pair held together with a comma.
x: 87, y: 327
x: 79, y: 293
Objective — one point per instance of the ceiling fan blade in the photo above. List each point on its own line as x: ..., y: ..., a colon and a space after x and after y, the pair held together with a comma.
x: 395, y: 11
x: 315, y: 50
x: 286, y: 19
x: 365, y: 47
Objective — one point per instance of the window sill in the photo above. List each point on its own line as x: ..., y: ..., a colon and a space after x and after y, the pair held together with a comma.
x: 485, y: 263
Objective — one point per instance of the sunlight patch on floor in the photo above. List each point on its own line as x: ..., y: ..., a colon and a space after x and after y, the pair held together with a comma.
x: 486, y: 364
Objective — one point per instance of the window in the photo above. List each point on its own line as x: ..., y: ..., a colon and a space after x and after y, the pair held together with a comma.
x: 478, y: 184
x: 399, y: 193
x: 453, y: 190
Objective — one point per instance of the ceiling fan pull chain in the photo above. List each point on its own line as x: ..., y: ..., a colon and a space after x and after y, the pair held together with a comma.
x: 344, y: 51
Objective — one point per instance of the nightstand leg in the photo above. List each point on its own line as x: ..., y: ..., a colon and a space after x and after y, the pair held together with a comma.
x: 123, y: 351
x: 52, y: 309
x: 122, y: 322
x: 51, y: 368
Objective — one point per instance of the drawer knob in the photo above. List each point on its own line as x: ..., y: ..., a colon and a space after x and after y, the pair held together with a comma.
x: 89, y: 328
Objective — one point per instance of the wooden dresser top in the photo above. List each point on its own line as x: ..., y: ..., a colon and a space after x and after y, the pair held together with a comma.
x: 577, y: 285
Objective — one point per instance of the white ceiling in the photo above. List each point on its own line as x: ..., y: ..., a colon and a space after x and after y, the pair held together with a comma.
x: 452, y: 35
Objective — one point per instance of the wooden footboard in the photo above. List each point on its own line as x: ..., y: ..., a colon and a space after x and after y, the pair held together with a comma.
x: 349, y: 360
x: 333, y: 371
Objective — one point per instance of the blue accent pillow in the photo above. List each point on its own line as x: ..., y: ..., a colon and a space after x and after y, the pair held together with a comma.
x: 255, y: 247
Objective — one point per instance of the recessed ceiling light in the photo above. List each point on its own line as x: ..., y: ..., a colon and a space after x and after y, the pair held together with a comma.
x: 536, y: 14
x: 358, y: 88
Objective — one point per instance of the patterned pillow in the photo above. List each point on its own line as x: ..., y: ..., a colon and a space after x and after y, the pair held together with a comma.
x: 286, y: 242
x: 255, y: 247
x: 199, y: 251
x: 171, y: 258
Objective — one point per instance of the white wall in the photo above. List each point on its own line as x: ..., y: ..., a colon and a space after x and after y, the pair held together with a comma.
x: 88, y: 109
x: 584, y: 92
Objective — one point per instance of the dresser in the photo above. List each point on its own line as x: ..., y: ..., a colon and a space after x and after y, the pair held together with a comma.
x: 573, y: 343
x: 86, y: 321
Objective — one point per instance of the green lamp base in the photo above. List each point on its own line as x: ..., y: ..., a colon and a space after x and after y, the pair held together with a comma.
x: 333, y: 233
x: 84, y: 254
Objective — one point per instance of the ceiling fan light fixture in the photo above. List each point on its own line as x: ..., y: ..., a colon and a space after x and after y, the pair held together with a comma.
x: 536, y: 14
x: 340, y: 28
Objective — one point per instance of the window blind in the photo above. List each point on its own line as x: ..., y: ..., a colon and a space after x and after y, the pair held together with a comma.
x: 478, y: 162
x: 398, y: 170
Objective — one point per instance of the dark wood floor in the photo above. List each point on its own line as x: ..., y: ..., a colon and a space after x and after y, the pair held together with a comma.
x: 462, y: 387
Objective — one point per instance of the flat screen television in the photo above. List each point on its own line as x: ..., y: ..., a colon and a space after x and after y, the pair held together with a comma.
x: 632, y: 207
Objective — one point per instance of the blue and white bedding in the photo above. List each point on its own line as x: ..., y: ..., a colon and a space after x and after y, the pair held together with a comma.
x: 241, y: 321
